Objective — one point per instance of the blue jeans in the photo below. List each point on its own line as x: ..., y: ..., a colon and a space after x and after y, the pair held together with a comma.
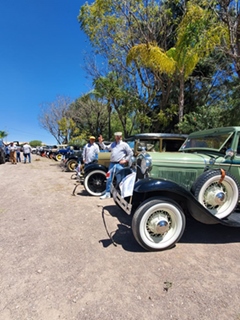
x: 27, y: 155
x: 117, y: 168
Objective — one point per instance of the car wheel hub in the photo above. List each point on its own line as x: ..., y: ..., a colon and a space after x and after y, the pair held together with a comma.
x: 98, y: 183
x: 215, y: 196
x: 158, y: 224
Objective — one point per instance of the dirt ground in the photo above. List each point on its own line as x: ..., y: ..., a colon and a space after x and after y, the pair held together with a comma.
x: 58, y: 262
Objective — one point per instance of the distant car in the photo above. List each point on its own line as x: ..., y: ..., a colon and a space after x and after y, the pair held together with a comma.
x: 2, y: 152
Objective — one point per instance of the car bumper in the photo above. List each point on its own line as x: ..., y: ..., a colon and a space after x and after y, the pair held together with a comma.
x: 121, y: 202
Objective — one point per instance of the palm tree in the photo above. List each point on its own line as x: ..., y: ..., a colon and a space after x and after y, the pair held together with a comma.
x: 3, y: 134
x: 197, y: 36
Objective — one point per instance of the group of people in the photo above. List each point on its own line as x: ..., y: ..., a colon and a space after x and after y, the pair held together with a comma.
x: 120, y: 156
x: 14, y: 151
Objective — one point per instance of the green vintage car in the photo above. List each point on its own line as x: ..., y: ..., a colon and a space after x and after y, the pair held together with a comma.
x: 202, y: 178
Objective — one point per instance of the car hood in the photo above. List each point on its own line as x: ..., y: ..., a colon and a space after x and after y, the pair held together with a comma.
x: 187, y: 158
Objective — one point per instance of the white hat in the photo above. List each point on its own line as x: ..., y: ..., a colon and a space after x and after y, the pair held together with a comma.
x: 118, y: 134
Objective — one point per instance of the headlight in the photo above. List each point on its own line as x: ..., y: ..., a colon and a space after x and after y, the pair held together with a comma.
x: 132, y: 162
x: 145, y: 163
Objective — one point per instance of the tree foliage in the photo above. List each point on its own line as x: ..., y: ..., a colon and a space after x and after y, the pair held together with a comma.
x: 197, y: 35
x: 3, y: 134
x: 51, y: 116
x: 35, y: 143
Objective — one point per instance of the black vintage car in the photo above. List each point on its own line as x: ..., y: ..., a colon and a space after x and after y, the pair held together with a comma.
x: 71, y: 159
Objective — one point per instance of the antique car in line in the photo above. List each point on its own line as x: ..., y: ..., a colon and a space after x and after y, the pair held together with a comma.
x: 201, y: 179
x: 94, y: 177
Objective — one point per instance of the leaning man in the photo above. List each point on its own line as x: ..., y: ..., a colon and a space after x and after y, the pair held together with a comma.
x: 120, y: 156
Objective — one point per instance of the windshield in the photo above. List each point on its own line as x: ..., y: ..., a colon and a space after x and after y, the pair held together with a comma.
x: 214, y: 141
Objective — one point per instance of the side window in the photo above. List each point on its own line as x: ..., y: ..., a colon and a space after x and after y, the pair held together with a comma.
x: 172, y: 145
x: 238, y: 146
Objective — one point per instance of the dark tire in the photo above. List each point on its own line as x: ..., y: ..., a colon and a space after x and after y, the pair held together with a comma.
x: 72, y: 165
x: 95, y: 182
x: 2, y: 157
x: 219, y: 197
x: 158, y: 224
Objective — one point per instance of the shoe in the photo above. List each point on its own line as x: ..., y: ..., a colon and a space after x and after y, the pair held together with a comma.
x: 106, y: 195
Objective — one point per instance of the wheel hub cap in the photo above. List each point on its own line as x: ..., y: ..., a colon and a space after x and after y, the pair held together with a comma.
x: 215, y: 197
x: 158, y: 224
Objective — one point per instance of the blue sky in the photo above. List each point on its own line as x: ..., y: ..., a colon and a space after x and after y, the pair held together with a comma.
x: 41, y: 57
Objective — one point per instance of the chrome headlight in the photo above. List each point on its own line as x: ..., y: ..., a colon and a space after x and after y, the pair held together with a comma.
x: 132, y: 162
x: 145, y: 163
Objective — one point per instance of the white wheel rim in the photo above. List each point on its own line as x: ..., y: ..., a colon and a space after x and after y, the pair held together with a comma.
x: 209, y: 191
x: 175, y: 226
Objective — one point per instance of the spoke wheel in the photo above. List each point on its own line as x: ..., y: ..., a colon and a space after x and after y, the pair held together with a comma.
x: 95, y: 182
x: 71, y: 165
x: 158, y: 224
x: 220, y: 197
x: 58, y: 157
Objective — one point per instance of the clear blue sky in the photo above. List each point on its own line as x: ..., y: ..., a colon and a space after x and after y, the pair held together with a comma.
x: 41, y: 57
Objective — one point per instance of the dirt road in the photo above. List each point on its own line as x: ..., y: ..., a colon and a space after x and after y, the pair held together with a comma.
x: 58, y: 262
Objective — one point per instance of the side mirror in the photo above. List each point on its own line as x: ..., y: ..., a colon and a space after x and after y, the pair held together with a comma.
x: 229, y: 153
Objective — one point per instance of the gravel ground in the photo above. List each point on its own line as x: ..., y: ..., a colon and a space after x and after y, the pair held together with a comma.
x: 58, y: 262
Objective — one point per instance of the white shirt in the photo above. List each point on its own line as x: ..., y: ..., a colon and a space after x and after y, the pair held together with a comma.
x: 90, y: 152
x: 27, y: 148
x: 119, y: 151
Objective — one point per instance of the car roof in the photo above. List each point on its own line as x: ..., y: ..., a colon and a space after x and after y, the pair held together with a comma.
x: 215, y: 130
x: 156, y: 135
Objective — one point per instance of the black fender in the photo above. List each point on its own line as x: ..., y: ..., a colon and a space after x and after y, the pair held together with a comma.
x: 95, y: 166
x: 146, y: 188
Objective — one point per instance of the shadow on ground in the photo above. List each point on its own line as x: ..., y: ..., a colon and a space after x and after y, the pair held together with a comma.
x: 195, y: 232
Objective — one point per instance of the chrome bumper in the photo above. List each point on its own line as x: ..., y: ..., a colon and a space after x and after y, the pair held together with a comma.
x: 127, y: 207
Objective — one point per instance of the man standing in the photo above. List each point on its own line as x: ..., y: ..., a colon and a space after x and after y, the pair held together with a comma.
x: 12, y: 149
x: 120, y: 156
x: 27, y: 152
x: 90, y: 152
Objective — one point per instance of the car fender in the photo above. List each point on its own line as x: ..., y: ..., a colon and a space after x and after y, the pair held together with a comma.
x: 95, y: 166
x: 172, y: 190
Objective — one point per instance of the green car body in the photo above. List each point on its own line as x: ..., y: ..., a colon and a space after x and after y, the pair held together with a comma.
x: 209, y: 152
x: 202, y: 179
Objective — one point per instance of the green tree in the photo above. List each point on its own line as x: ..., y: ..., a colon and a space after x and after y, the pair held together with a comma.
x: 113, y: 27
x: 197, y: 36
x: 3, y: 134
x: 204, y: 117
x: 35, y: 143
x: 120, y: 99
x: 89, y: 113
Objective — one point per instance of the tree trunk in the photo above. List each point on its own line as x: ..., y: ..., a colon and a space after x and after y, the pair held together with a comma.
x: 181, y: 98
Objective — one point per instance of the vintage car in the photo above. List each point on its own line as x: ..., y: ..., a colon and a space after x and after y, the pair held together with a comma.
x: 94, y: 178
x: 201, y: 179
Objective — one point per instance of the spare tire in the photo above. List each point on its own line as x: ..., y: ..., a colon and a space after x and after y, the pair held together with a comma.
x: 217, y: 191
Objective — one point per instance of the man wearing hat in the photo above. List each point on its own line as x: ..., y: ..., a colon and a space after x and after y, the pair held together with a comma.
x: 90, y: 151
x: 120, y: 156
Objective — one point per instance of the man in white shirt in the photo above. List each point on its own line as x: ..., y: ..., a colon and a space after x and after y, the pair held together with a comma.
x: 90, y: 152
x: 27, y: 152
x: 120, y: 156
